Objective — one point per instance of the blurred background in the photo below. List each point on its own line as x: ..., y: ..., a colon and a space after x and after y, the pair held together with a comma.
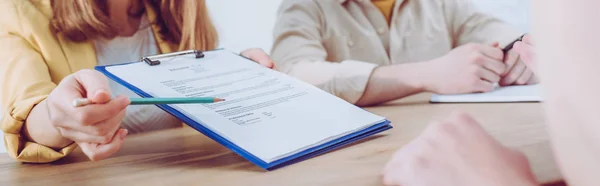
x: 249, y: 23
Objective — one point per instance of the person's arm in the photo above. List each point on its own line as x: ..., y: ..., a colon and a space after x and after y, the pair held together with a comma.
x: 298, y: 51
x: 25, y: 83
x: 566, y: 43
x: 393, y: 82
x: 37, y: 128
x: 469, y: 25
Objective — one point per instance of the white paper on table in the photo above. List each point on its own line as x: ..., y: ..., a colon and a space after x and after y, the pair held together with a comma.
x: 524, y: 93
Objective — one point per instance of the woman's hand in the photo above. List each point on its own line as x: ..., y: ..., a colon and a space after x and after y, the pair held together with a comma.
x: 95, y: 127
x: 259, y: 56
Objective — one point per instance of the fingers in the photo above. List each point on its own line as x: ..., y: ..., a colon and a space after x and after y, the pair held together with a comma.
x: 102, y: 130
x: 109, y: 127
x: 462, y: 117
x: 81, y: 137
x: 527, y: 39
x: 511, y: 59
x: 63, y: 95
x: 391, y: 175
x: 101, y: 151
x: 93, y: 123
x: 492, y: 52
x: 514, y: 74
x: 101, y: 133
x: 95, y: 113
x: 94, y: 84
x: 66, y: 115
x: 493, y: 65
x: 488, y: 75
x: 468, y: 126
x: 455, y: 126
x: 527, y: 54
x: 525, y: 77
x: 392, y: 171
x: 259, y: 56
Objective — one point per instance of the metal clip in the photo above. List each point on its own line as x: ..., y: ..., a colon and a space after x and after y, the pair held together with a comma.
x: 154, y: 60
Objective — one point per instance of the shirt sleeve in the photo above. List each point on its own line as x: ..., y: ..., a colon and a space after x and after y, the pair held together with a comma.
x: 298, y: 51
x: 469, y: 25
x: 25, y: 83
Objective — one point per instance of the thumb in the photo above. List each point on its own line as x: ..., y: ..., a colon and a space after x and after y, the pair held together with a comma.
x: 259, y: 56
x: 102, y: 151
x: 95, y: 85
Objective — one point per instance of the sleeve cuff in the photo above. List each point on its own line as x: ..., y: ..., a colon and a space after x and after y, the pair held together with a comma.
x: 351, y: 80
x: 17, y: 146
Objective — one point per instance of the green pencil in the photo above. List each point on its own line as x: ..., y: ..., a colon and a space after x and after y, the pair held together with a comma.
x: 156, y: 101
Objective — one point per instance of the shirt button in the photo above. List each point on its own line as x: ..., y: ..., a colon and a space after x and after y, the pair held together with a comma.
x: 350, y: 43
x: 381, y: 30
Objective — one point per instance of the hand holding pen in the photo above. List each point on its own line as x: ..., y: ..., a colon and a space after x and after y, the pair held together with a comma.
x: 517, y: 72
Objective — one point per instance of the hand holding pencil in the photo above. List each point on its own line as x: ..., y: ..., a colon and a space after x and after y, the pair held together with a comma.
x: 81, y: 110
x: 155, y: 101
x: 96, y: 128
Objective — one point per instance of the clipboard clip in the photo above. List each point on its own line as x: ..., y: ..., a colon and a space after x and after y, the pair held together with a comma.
x: 155, y: 59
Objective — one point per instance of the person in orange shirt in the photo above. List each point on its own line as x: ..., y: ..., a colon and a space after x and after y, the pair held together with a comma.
x: 372, y: 51
x: 47, y: 47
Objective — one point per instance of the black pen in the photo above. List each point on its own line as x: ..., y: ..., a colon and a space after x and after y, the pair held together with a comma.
x: 510, y: 46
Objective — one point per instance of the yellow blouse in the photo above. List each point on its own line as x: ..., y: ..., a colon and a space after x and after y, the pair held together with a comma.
x: 34, y: 61
x: 386, y: 7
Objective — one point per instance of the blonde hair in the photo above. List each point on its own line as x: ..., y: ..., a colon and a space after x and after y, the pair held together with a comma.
x: 182, y: 22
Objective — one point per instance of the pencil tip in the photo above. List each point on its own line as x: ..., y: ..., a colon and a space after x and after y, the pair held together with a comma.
x: 219, y: 99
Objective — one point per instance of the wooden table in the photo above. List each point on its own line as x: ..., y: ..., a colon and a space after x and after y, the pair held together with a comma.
x: 185, y: 157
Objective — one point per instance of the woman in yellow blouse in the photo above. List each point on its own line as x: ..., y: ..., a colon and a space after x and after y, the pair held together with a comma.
x: 46, y: 45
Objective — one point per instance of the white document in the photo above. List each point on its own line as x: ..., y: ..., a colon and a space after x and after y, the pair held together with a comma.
x: 268, y: 114
x: 525, y: 93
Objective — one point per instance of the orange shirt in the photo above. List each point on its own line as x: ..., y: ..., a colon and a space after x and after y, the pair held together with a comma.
x: 385, y: 6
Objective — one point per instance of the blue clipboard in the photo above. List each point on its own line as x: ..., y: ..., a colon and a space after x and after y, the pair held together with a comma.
x: 298, y: 157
